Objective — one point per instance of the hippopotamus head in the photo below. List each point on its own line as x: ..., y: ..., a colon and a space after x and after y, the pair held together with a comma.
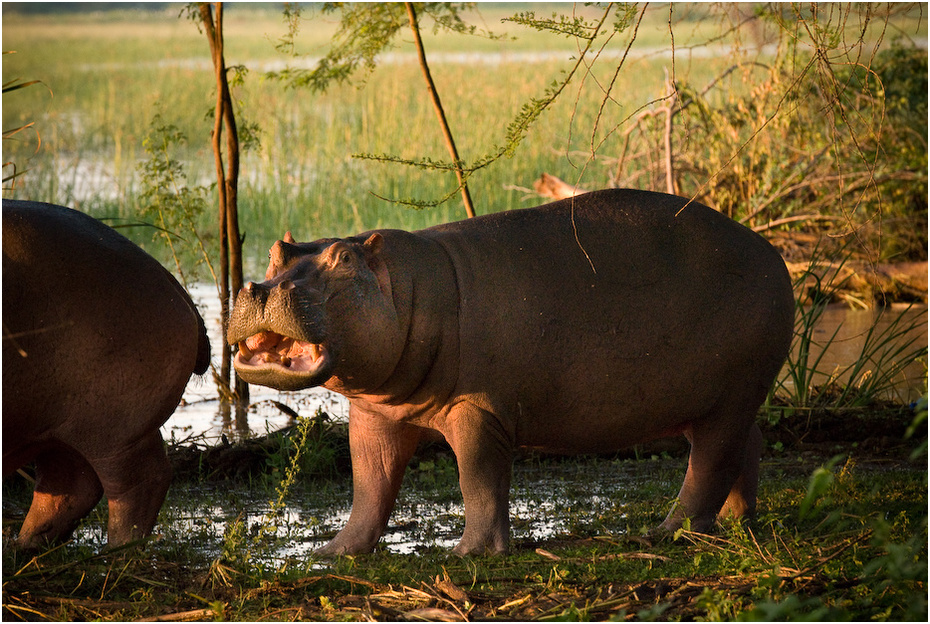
x: 324, y: 312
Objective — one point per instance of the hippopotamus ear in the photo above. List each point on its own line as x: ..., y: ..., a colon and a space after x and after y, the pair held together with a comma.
x: 372, y: 248
x: 278, y: 255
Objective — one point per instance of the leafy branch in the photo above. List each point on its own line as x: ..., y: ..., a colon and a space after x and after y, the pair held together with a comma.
x: 529, y: 113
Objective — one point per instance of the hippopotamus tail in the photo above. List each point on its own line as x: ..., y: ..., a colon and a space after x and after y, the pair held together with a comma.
x: 203, y: 348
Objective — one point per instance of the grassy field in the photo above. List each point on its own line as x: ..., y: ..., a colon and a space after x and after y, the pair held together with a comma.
x: 107, y: 76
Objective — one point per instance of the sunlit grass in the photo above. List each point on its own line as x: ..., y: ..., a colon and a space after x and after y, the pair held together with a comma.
x: 111, y: 73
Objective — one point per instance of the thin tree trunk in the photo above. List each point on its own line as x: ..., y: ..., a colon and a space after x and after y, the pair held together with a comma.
x: 437, y: 104
x: 227, y: 188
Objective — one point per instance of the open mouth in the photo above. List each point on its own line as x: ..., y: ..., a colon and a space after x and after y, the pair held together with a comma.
x: 268, y: 349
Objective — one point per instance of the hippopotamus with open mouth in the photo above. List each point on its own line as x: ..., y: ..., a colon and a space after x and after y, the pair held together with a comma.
x: 99, y: 341
x: 582, y: 326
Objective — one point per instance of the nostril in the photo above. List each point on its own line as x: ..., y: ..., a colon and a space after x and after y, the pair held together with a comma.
x: 287, y: 285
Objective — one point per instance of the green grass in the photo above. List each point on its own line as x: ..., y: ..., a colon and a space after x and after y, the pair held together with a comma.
x: 859, y: 552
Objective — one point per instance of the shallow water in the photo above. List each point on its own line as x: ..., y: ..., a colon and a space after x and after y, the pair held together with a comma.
x: 548, y: 500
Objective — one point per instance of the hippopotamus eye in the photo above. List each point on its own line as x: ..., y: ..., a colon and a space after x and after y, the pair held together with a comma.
x: 344, y: 257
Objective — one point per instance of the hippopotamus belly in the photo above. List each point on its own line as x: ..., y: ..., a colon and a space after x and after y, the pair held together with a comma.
x: 585, y: 325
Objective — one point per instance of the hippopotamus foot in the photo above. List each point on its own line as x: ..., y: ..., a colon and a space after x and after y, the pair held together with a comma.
x: 66, y: 490
x: 135, y: 483
x: 381, y: 449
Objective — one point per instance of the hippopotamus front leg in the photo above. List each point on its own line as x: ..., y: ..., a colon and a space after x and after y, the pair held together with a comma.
x: 484, y: 452
x: 381, y: 449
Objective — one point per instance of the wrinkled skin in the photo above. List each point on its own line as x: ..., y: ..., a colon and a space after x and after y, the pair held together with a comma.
x: 586, y: 325
x: 99, y: 342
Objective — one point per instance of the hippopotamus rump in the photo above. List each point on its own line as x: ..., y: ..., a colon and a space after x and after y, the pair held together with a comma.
x: 99, y: 341
x: 582, y: 326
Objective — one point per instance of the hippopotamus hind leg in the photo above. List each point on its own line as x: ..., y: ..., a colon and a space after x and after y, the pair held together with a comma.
x: 135, y: 483
x: 742, y: 499
x: 715, y: 485
x: 66, y: 490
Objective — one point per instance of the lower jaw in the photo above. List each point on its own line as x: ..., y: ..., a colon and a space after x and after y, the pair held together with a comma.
x: 280, y: 378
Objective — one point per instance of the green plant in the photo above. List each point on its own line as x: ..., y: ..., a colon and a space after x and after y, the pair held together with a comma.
x: 8, y: 87
x: 307, y: 451
x: 167, y: 198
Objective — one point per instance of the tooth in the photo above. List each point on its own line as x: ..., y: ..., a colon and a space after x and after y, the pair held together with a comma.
x: 286, y: 361
x: 268, y: 358
x: 244, y: 351
x: 315, y: 351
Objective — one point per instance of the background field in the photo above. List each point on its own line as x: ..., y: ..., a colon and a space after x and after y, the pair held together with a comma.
x: 106, y: 76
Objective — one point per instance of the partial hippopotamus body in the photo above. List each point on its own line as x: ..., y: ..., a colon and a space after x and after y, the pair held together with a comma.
x: 99, y: 341
x: 585, y: 325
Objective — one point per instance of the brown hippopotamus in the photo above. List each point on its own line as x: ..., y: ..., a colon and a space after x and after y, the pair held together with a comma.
x: 584, y: 325
x: 99, y: 341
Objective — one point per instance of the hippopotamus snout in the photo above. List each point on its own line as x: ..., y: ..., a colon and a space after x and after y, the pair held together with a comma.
x: 280, y: 334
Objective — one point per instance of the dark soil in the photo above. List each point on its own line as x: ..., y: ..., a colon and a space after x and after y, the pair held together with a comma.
x: 877, y: 432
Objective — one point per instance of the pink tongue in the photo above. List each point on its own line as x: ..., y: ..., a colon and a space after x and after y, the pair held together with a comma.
x: 277, y: 348
x: 265, y: 341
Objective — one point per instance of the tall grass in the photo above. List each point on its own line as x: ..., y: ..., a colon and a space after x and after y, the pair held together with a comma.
x: 112, y: 73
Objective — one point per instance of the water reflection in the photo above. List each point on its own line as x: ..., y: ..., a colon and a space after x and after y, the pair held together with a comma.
x: 841, y: 336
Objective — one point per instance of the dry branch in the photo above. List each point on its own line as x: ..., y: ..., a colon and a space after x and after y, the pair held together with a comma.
x: 183, y: 616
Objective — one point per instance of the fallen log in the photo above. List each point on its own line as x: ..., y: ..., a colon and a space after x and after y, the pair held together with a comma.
x: 554, y: 188
x: 902, y: 281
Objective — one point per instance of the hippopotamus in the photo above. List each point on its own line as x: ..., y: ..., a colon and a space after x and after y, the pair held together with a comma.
x: 99, y: 341
x: 582, y: 326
